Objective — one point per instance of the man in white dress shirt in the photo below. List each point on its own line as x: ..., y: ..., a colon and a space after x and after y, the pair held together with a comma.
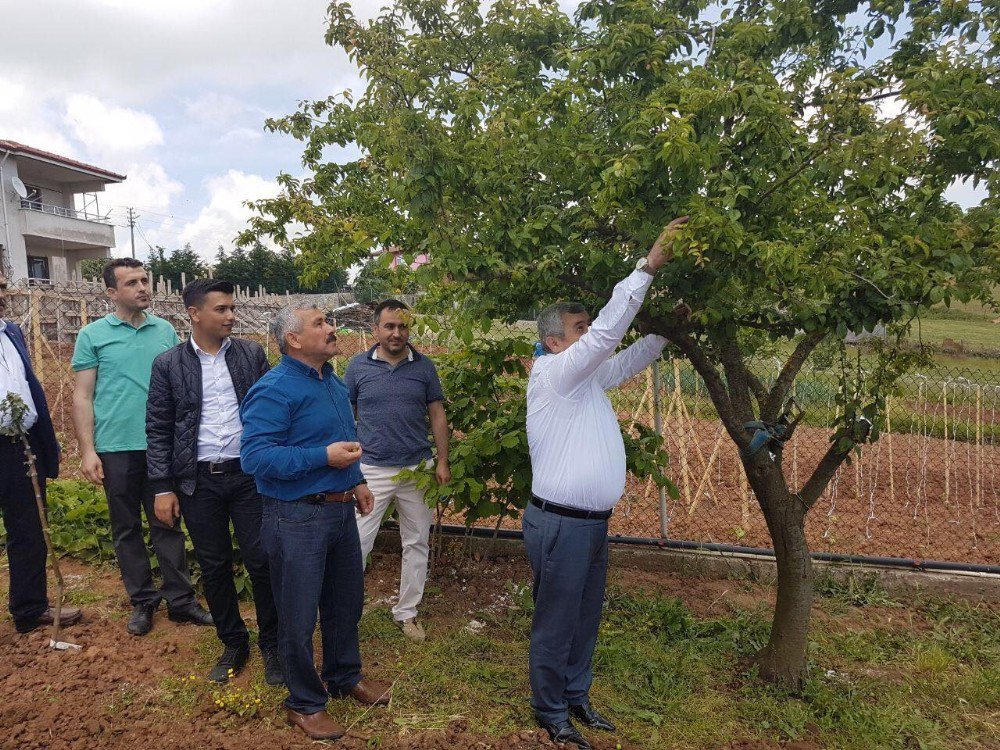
x: 578, y: 469
x: 194, y: 432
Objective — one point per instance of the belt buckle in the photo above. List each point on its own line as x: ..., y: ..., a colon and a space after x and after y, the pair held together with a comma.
x: 212, y: 467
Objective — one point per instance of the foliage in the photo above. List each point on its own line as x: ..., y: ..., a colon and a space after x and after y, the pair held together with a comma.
x: 485, y: 377
x: 180, y: 261
x: 277, y: 270
x: 92, y: 268
x: 80, y: 527
x: 534, y: 156
x: 855, y: 589
x: 376, y: 281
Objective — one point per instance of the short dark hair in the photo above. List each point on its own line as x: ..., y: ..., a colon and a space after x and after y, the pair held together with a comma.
x: 110, y: 280
x: 389, y: 304
x: 194, y: 292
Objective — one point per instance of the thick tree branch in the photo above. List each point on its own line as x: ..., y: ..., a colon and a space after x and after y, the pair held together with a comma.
x: 825, y: 471
x: 779, y: 391
x: 737, y: 376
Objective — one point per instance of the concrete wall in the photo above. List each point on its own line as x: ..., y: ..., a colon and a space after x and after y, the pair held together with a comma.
x: 20, y: 221
x: 12, y: 231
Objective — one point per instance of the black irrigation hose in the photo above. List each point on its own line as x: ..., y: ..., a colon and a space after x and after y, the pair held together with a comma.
x: 905, y: 563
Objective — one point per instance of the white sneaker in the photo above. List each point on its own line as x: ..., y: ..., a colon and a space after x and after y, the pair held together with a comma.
x: 413, y: 630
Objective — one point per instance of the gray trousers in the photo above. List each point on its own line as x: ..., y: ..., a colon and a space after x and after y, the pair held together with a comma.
x: 129, y: 494
x: 569, y: 565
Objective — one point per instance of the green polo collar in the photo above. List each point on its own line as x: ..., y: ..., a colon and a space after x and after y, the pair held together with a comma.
x: 116, y: 321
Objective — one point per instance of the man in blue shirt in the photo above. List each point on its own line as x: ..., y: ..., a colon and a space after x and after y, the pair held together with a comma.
x: 300, y: 445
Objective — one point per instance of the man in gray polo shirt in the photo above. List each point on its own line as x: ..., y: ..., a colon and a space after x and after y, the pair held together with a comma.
x: 395, y: 392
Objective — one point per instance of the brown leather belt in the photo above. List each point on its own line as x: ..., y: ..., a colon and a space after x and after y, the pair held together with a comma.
x: 321, y: 498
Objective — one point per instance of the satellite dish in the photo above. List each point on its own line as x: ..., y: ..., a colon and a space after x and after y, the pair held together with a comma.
x: 19, y: 187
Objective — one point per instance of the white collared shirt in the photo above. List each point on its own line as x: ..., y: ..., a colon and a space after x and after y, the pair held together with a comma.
x: 14, y: 379
x: 409, y: 354
x: 220, y: 428
x: 575, y: 441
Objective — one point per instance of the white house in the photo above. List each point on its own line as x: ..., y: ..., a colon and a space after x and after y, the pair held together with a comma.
x: 50, y: 219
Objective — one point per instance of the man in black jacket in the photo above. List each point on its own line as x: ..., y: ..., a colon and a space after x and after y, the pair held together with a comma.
x: 193, y: 431
x: 29, y: 604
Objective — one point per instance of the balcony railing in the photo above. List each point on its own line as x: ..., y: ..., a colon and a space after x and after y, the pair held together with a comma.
x: 69, y: 213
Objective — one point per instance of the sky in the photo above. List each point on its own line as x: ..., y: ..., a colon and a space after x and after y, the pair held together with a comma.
x: 174, y: 94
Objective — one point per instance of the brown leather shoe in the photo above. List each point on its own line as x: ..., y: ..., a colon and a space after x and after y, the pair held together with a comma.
x: 371, y: 692
x: 317, y: 726
x: 68, y: 616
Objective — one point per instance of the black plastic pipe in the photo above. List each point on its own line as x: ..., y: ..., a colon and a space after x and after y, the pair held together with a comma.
x: 906, y: 563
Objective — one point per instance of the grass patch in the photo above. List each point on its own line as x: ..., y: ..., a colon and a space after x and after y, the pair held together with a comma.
x: 927, y: 679
x: 854, y: 589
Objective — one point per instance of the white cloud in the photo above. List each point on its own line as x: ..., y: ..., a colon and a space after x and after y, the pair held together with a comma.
x: 148, y: 186
x: 241, y: 134
x: 213, y: 108
x: 28, y: 118
x: 109, y: 130
x: 225, y: 215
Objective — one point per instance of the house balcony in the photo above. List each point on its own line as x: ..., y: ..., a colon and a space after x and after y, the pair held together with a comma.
x: 63, y: 228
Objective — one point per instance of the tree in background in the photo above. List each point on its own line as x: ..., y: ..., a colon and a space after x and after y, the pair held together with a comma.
x: 376, y: 281
x: 92, y: 268
x: 170, y: 267
x: 277, y: 271
x: 535, y: 156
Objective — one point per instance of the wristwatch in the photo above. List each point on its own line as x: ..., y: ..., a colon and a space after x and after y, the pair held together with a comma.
x: 643, y: 265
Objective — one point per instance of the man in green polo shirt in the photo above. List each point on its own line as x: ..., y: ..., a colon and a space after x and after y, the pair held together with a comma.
x: 113, y: 360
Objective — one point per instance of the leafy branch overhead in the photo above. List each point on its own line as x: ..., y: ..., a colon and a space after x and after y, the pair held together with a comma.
x: 533, y: 155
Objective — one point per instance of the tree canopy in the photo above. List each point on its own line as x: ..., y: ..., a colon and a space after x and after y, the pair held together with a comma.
x: 533, y: 155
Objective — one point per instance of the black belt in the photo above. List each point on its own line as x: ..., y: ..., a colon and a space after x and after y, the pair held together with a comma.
x: 565, y: 510
x: 229, y: 466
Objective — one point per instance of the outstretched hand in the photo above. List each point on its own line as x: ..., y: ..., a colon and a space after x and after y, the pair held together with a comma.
x: 663, y: 249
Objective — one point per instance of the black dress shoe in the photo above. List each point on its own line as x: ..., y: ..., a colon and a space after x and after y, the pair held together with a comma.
x: 564, y: 732
x: 193, y: 612
x: 230, y: 664
x: 141, y: 621
x: 274, y: 675
x: 586, y: 713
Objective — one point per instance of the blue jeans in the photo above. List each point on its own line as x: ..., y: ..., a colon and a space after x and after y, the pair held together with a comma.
x: 569, y: 565
x: 315, y: 560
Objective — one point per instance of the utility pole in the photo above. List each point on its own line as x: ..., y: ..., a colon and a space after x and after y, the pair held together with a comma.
x: 132, y: 217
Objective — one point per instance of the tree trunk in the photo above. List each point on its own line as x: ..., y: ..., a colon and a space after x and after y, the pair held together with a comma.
x: 783, y: 660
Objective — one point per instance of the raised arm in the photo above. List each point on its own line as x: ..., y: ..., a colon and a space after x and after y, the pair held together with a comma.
x: 631, y: 362
x: 572, y: 367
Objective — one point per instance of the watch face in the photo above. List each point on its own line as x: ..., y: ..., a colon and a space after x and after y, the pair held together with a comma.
x: 640, y: 265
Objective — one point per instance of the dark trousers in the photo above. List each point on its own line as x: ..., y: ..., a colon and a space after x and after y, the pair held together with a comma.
x: 129, y: 494
x: 217, y: 500
x: 25, y: 543
x: 569, y: 565
x: 315, y: 558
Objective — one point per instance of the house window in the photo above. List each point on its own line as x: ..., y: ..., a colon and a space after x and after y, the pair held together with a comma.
x: 38, y: 267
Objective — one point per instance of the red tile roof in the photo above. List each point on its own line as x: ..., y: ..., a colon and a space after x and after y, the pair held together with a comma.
x: 20, y: 148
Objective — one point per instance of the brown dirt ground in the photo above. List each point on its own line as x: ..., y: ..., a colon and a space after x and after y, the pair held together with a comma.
x: 110, y: 695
